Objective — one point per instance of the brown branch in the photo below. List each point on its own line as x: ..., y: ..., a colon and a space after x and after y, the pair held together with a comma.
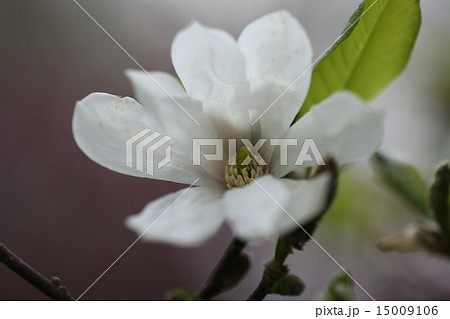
x: 217, y: 282
x: 52, y: 288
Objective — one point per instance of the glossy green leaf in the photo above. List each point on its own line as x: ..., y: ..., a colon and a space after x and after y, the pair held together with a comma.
x: 372, y: 56
x: 404, y: 180
x: 351, y: 24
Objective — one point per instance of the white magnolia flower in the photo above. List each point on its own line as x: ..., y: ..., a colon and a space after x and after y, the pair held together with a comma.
x: 228, y: 84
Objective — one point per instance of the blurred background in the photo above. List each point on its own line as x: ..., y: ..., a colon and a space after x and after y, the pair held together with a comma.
x: 64, y: 214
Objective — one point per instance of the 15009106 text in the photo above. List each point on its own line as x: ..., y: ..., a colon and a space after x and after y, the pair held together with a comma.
x: 407, y: 310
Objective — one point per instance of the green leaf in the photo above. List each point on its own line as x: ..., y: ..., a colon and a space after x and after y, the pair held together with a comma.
x: 404, y: 180
x: 340, y: 289
x: 372, y: 56
x: 351, y: 24
x: 439, y: 195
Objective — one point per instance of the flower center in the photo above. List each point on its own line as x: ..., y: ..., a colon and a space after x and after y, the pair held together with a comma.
x: 242, y: 168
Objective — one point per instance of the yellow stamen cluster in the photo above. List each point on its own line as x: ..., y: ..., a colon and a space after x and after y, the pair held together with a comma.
x: 240, y: 174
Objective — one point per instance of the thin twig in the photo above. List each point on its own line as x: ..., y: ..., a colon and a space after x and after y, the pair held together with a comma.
x: 260, y: 292
x: 51, y: 288
x: 215, y: 283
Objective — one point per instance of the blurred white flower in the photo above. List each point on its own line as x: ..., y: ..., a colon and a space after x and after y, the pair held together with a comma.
x: 228, y: 85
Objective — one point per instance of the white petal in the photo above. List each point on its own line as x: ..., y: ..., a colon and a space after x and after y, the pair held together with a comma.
x: 153, y: 86
x: 252, y: 213
x: 278, y: 53
x: 271, y: 207
x: 169, y: 104
x: 189, y: 217
x: 307, y: 200
x: 102, y: 124
x: 212, y: 69
x: 342, y: 126
x: 176, y: 112
x: 276, y: 48
x: 276, y: 120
